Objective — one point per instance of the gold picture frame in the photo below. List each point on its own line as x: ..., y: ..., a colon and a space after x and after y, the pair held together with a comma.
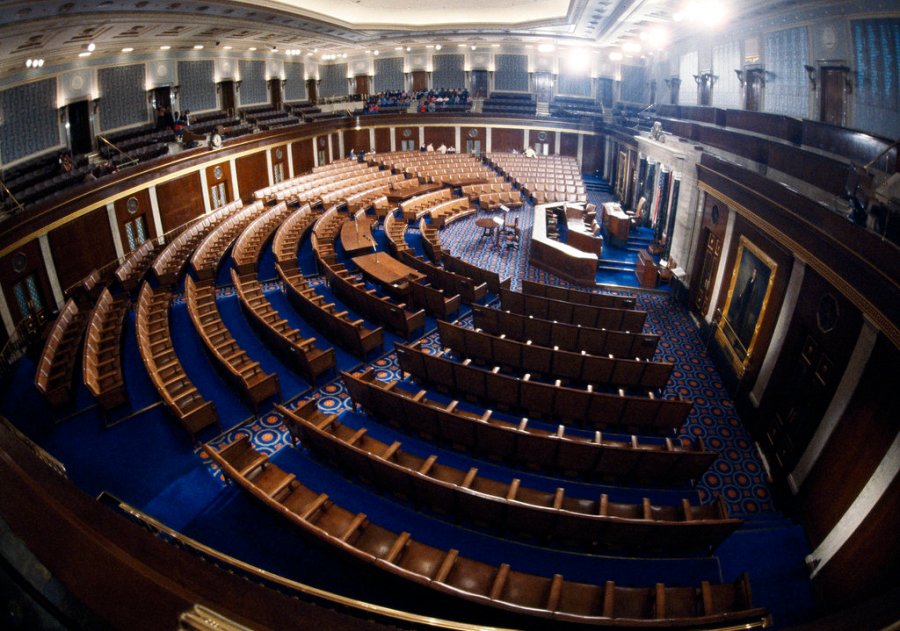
x: 746, y: 304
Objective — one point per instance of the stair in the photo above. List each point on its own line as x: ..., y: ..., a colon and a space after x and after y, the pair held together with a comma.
x: 543, y: 109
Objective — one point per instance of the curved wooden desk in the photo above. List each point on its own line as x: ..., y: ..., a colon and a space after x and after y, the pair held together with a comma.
x: 356, y: 236
x: 560, y: 259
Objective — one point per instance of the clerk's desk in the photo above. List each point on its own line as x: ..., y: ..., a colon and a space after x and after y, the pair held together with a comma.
x: 617, y: 223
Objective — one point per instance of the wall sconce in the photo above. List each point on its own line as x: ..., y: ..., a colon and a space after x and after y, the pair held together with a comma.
x: 811, y: 75
x: 705, y: 77
x: 150, y: 95
x: 96, y: 104
x: 740, y: 76
x: 755, y: 74
x: 237, y: 85
x: 175, y: 90
x: 673, y: 82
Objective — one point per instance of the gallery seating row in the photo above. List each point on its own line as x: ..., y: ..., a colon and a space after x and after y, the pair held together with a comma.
x: 290, y: 232
x: 451, y: 282
x: 328, y: 189
x: 511, y: 507
x: 350, y: 288
x: 209, y: 253
x: 611, y: 318
x: 338, y: 325
x: 131, y: 271
x: 395, y: 229
x: 434, y: 299
x: 549, y: 362
x: 299, y: 352
x: 548, y: 401
x: 493, y: 201
x: 579, y: 296
x: 534, y: 598
x: 359, y: 184
x: 552, y: 197
x: 249, y: 245
x: 168, y: 264
x: 478, y: 274
x: 556, y: 449
x: 248, y: 376
x: 569, y: 337
x: 102, y: 358
x: 175, y: 388
x: 516, y: 104
x: 415, y: 207
x: 54, y: 374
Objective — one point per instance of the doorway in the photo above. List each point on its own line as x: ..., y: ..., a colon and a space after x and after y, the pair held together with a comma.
x: 753, y: 89
x: 78, y: 124
x: 275, y: 93
x: 228, y: 100
x: 473, y: 147
x: 479, y: 83
x: 705, y: 85
x: 831, y: 106
x: 162, y: 97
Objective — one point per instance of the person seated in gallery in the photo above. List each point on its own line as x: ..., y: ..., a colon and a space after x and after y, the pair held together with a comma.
x: 530, y: 153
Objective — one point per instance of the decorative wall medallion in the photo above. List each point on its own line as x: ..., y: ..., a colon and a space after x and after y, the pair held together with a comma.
x: 226, y: 66
x: 162, y: 70
x: 218, y: 172
x: 542, y: 136
x: 279, y: 153
x: 829, y: 37
x: 827, y: 315
x: 322, y: 143
x: 19, y: 262
x: 407, y: 132
x: 714, y: 214
x: 132, y: 205
x: 473, y: 133
x: 77, y: 82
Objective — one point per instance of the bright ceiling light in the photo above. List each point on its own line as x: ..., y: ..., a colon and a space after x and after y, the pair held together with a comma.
x: 578, y: 59
x: 375, y: 52
x: 226, y: 47
x: 495, y: 45
x: 474, y: 47
x: 546, y: 48
x: 398, y: 47
x: 165, y: 47
x: 128, y: 49
x: 438, y: 47
x: 408, y: 48
x: 92, y: 47
x: 461, y: 45
x: 615, y: 55
x: 86, y: 53
x: 252, y: 49
x: 28, y: 63
x: 198, y: 46
x: 631, y: 47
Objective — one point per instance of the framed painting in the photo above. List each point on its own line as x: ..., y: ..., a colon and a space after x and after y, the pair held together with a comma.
x: 746, y: 303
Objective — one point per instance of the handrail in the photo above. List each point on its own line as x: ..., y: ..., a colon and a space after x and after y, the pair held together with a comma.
x: 17, y: 343
x: 48, y: 459
x: 128, y: 161
x: 274, y: 580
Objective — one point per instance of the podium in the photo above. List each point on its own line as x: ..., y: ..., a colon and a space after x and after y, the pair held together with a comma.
x: 646, y: 271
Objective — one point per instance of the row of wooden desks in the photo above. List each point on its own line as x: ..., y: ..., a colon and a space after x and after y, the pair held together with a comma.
x: 356, y: 235
x: 383, y: 268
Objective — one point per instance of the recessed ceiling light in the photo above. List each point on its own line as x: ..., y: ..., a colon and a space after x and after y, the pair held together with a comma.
x: 408, y: 48
x: 252, y: 48
x: 227, y: 47
x: 92, y: 47
x: 495, y: 45
x: 375, y: 52
x: 398, y: 47
x: 165, y: 47
x: 474, y: 47
x: 546, y: 48
x: 28, y: 63
x: 437, y: 46
x: 86, y: 53
x: 198, y: 46
x: 128, y: 49
x: 461, y: 45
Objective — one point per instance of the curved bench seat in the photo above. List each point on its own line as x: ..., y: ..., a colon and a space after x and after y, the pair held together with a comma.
x: 672, y: 462
x: 54, y: 375
x: 614, y: 319
x: 527, y: 596
x: 249, y: 244
x: 102, y: 359
x: 509, y: 506
x: 208, y: 256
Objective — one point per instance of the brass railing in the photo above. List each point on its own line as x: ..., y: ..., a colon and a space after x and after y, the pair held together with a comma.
x: 127, y: 162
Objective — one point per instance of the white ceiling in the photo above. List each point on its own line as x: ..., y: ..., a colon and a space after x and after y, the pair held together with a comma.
x: 57, y: 30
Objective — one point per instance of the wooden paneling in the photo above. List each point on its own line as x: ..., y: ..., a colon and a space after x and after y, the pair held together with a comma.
x: 406, y: 132
x: 775, y: 125
x: 220, y: 174
x: 81, y: 246
x: 568, y: 144
x: 283, y: 161
x: 441, y: 135
x: 472, y: 133
x: 807, y: 373
x: 383, y: 139
x: 857, y: 445
x: 123, y: 215
x: 335, y: 148
x: 251, y: 174
x: 508, y: 139
x: 180, y: 200
x: 303, y: 156
x: 853, y: 145
x: 867, y: 564
x: 357, y: 139
x: 33, y: 263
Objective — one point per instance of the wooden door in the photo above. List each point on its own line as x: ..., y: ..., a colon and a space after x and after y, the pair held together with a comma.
x: 479, y: 83
x: 78, y: 116
x: 711, y: 253
x: 312, y: 92
x: 275, y: 97
x: 227, y: 89
x: 362, y: 85
x: 420, y: 81
x: 831, y: 105
x: 705, y: 89
x: 674, y: 86
x: 753, y: 88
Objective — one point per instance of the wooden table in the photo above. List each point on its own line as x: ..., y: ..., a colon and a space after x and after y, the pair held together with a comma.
x: 388, y: 271
x: 490, y: 227
x: 356, y: 236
